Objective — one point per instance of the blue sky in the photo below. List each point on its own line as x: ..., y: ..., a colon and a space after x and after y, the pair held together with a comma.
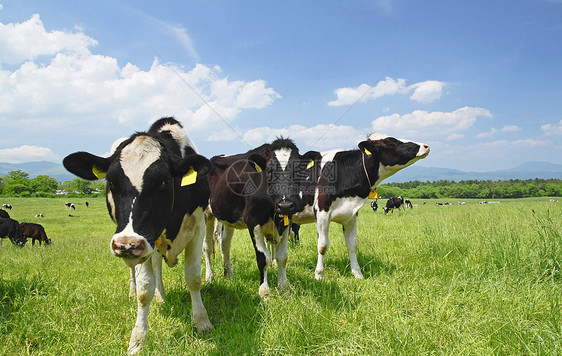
x: 479, y: 81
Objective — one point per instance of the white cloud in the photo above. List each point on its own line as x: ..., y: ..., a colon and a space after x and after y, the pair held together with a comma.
x: 424, y: 92
x: 493, y: 131
x: 552, y: 129
x: 430, y: 123
x: 27, y: 153
x: 454, y: 137
x: 511, y: 128
x: 28, y: 40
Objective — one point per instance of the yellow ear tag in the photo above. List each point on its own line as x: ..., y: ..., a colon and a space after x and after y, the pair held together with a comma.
x: 159, y: 241
x: 367, y: 152
x: 373, y: 194
x: 189, y: 178
x: 258, y: 168
x: 285, y: 220
x: 98, y: 172
x: 310, y: 164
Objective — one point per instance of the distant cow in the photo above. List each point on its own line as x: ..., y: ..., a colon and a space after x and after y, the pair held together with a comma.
x: 40, y: 215
x: 374, y: 205
x: 87, y: 204
x: 408, y: 204
x: 156, y: 193
x: 69, y: 206
x: 11, y: 228
x: 394, y: 203
x: 35, y: 232
x: 7, y: 206
x: 294, y: 233
x: 4, y: 214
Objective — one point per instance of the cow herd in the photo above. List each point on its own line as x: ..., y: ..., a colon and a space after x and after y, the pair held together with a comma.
x: 165, y: 198
x: 18, y: 233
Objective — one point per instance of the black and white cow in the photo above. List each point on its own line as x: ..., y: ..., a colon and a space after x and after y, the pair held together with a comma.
x: 257, y: 191
x: 10, y: 228
x: 394, y: 203
x: 156, y: 194
x: 69, y: 206
x: 408, y: 203
x: 342, y: 181
x: 7, y: 206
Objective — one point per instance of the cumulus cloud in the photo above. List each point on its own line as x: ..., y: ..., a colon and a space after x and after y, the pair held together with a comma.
x: 430, y: 123
x: 493, y: 131
x: 511, y: 128
x: 552, y: 129
x: 424, y: 92
x: 27, y: 153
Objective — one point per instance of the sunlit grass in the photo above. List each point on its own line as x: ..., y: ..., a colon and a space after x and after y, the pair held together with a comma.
x: 470, y: 279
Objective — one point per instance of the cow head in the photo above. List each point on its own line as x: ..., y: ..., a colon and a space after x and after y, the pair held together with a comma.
x: 142, y: 176
x: 385, y: 155
x: 284, y: 167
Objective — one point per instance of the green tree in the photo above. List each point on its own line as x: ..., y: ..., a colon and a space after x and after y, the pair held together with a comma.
x: 44, y: 184
x: 17, y: 183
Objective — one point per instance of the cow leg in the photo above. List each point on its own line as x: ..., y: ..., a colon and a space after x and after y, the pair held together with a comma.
x: 262, y: 258
x: 144, y: 276
x: 209, y: 247
x: 350, y: 234
x: 132, y: 283
x: 281, y: 256
x: 323, y: 229
x: 192, y: 272
x: 159, y: 294
x: 225, y: 242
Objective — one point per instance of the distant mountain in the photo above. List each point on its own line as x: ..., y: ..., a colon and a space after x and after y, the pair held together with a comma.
x: 527, y: 170
x: 34, y: 169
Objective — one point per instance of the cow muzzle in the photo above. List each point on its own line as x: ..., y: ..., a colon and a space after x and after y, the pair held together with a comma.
x: 285, y: 207
x: 128, y: 247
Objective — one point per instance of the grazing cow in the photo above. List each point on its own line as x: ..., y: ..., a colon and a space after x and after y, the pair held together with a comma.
x: 4, y: 214
x: 11, y: 228
x: 394, y: 203
x: 87, y: 204
x: 156, y: 193
x: 408, y: 204
x: 35, y: 232
x: 342, y: 181
x: 374, y: 205
x: 294, y: 233
x: 7, y: 206
x: 40, y: 215
x: 257, y: 191
x: 69, y: 206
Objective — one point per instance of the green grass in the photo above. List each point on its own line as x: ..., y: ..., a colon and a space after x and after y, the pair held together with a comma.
x: 472, y: 279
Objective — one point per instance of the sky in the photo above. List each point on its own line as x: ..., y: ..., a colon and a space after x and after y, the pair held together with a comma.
x: 479, y: 81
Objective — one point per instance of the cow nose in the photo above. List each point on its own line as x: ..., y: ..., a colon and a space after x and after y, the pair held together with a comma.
x: 128, y: 247
x: 285, y: 207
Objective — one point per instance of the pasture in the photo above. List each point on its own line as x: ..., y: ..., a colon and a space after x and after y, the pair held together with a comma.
x: 470, y: 279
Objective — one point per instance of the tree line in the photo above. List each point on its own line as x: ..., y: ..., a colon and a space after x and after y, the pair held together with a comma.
x: 18, y: 184
x: 476, y: 189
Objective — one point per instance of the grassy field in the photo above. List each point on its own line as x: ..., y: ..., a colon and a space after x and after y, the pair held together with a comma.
x: 470, y: 279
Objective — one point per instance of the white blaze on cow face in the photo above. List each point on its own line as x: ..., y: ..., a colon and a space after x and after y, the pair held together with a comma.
x: 283, y: 155
x: 137, y: 156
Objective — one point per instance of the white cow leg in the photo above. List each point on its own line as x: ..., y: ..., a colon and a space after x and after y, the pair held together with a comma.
x: 263, y: 260
x: 225, y: 241
x: 145, y: 291
x: 350, y: 234
x: 323, y: 229
x: 281, y: 256
x: 192, y: 272
x: 209, y: 247
x: 159, y: 294
x: 132, y: 283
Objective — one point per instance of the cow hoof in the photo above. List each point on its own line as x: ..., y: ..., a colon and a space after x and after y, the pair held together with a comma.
x: 264, y: 292
x: 203, y: 326
x: 158, y: 297
x: 319, y: 275
x: 358, y: 274
x: 135, y: 344
x: 228, y: 273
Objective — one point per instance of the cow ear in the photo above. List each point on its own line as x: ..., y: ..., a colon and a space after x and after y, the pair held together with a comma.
x: 258, y: 162
x: 368, y: 148
x: 86, y: 165
x: 191, y: 167
x: 310, y: 157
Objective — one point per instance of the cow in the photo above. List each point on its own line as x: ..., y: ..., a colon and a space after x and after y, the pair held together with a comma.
x: 7, y: 206
x: 40, y: 215
x: 35, y: 232
x: 69, y: 206
x: 374, y: 205
x: 394, y: 203
x: 4, y: 214
x: 156, y: 193
x: 257, y: 191
x: 10, y: 228
x: 87, y: 204
x: 408, y: 204
x: 294, y: 233
x: 341, y: 182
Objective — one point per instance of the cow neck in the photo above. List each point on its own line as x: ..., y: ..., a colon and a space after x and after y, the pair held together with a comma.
x: 363, y: 154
